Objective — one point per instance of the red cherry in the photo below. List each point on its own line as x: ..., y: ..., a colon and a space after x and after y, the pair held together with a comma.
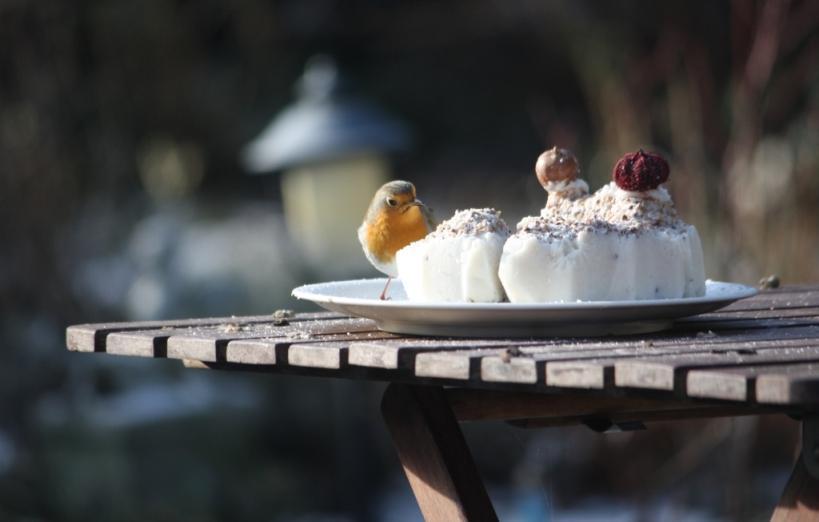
x: 640, y: 171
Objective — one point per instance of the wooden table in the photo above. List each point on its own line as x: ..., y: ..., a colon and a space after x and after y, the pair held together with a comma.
x: 758, y: 356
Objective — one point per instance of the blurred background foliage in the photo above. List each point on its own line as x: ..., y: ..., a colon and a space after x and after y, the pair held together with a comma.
x: 122, y: 197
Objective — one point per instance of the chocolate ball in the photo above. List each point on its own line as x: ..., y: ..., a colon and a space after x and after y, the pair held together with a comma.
x: 556, y: 165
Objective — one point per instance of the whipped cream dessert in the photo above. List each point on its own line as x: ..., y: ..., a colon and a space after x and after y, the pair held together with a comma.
x: 623, y: 242
x: 458, y: 261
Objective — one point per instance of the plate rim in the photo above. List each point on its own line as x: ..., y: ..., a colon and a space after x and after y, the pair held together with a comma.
x: 305, y: 292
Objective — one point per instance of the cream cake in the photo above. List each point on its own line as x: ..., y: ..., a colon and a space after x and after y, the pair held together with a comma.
x: 458, y: 261
x: 623, y: 242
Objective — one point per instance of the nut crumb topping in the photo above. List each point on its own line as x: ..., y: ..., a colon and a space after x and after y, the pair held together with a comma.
x: 472, y: 221
x: 608, y: 210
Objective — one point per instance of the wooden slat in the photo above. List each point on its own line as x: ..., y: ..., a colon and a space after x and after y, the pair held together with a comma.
x: 92, y: 337
x: 139, y: 343
x: 504, y: 368
x: 454, y: 364
x: 211, y: 345
x: 669, y: 372
x: 247, y: 342
x: 733, y: 384
x: 268, y: 350
x: 779, y: 383
x: 400, y: 353
x: 595, y: 368
x: 554, y: 365
x: 788, y: 298
x: 446, y: 365
x: 154, y: 343
x: 585, y: 363
x: 767, y: 313
x: 331, y: 356
x: 748, y: 320
x: 721, y: 325
x: 514, y: 364
x: 799, y: 386
x: 252, y: 351
x: 583, y: 375
x: 482, y: 405
x: 619, y: 418
x: 448, y: 361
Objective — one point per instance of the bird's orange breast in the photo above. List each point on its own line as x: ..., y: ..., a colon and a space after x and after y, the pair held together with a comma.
x: 391, y: 231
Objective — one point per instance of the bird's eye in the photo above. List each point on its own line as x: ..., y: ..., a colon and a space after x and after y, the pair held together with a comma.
x: 391, y: 202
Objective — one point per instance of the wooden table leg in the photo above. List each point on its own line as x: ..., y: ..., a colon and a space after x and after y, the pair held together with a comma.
x: 434, y: 454
x: 800, y: 500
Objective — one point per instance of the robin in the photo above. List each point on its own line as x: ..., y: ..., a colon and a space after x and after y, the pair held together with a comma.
x: 394, y: 219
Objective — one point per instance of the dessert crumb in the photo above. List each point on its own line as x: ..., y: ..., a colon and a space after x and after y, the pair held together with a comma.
x: 507, y: 355
x: 281, y: 316
x: 769, y: 282
x: 230, y: 328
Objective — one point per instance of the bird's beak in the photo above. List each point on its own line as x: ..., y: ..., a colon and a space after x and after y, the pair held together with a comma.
x: 414, y: 203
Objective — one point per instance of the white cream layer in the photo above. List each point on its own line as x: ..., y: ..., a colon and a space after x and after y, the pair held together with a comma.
x: 453, y: 268
x: 601, y: 264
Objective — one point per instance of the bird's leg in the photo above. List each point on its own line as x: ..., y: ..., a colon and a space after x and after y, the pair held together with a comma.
x: 383, y: 295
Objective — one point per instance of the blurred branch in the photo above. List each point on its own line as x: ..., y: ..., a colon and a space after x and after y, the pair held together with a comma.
x: 786, y: 88
x: 802, y: 22
x: 753, y: 76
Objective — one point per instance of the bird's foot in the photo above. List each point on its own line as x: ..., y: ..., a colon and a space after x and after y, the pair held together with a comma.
x: 383, y: 295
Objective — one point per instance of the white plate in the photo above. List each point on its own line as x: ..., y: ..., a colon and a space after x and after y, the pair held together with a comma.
x: 583, y: 318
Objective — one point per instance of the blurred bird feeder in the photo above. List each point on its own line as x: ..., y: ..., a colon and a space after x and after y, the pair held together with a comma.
x: 332, y: 148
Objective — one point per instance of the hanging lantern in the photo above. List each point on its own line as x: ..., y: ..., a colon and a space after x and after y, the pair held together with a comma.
x: 332, y: 150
